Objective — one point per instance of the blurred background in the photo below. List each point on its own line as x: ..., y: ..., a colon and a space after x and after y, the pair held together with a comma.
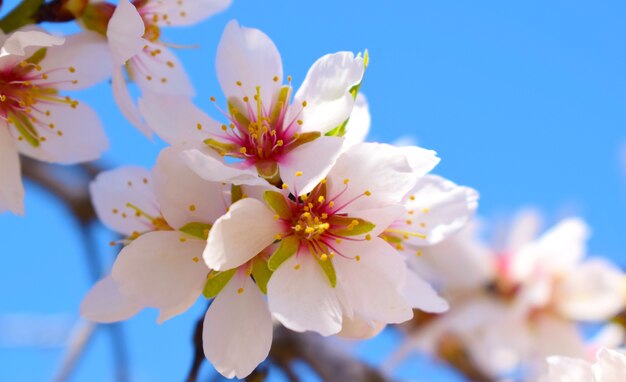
x: 523, y: 100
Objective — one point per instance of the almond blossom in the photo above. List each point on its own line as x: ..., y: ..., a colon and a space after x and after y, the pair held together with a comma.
x: 37, y: 121
x: 610, y: 366
x: 166, y: 216
x: 267, y: 137
x: 134, y: 37
x: 329, y: 263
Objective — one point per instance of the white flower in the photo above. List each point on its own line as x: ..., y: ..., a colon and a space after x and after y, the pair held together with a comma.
x: 270, y: 137
x: 134, y: 39
x: 166, y: 216
x: 37, y: 121
x: 610, y: 366
x: 328, y: 260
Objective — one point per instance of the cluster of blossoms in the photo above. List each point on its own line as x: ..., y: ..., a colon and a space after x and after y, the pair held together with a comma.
x: 280, y: 213
x: 526, y: 299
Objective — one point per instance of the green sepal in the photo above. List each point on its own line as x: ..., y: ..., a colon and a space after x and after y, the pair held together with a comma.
x: 199, y: 230
x: 277, y: 203
x: 304, y: 138
x: 391, y: 239
x: 234, y: 107
x: 216, y: 281
x: 25, y: 128
x: 267, y: 169
x: 261, y: 273
x: 236, y: 193
x: 329, y: 270
x: 283, y: 99
x: 221, y: 147
x: 35, y: 58
x: 340, y: 130
x: 23, y: 14
x: 341, y: 226
x: 288, y: 247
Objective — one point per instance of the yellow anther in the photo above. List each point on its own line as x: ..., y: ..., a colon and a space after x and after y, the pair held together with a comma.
x: 192, y: 207
x: 170, y: 64
x: 409, y: 222
x: 331, y: 204
x: 224, y: 127
x: 346, y: 181
x: 279, y: 142
x: 425, y: 210
x: 320, y: 199
x: 298, y: 173
x: 423, y: 225
x: 367, y: 193
x: 243, y: 150
x: 338, y: 241
x: 212, y: 99
x: 182, y: 239
x: 357, y: 258
x: 412, y: 197
x: 310, y: 205
x: 411, y: 212
x: 289, y: 78
x: 332, y: 254
x: 297, y: 228
x: 275, y: 78
x: 304, y: 103
x: 163, y: 80
x: 199, y: 126
x: 324, y: 257
x: 324, y: 215
x: 278, y: 236
x: 115, y: 210
x: 276, y: 217
x: 238, y: 83
x: 246, y: 99
x: 299, y: 122
x: 240, y: 291
x: 309, y: 230
x: 297, y: 267
x: 72, y: 69
x: 419, y: 253
x: 284, y: 186
x: 399, y: 247
x: 368, y: 237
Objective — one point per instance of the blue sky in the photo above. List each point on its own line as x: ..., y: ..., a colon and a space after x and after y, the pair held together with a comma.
x: 523, y: 100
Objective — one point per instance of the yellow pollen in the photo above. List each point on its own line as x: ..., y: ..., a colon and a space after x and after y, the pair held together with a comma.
x: 346, y: 181
x: 332, y: 254
x: 419, y: 253
x: 298, y: 173
x: 399, y: 247
x: 284, y: 186
x: 276, y: 217
x: 368, y: 237
x: 338, y: 241
x: 426, y: 210
x: 240, y: 291
x: 324, y: 215
x: 170, y: 64
x: 324, y: 257
x: 423, y: 225
x: 289, y: 78
x: 149, y: 78
x: 199, y: 126
x: 309, y: 230
x: 297, y: 228
x: 212, y: 99
x: 320, y: 199
x: 238, y: 83
x: 299, y: 122
x: 412, y: 197
x: 277, y: 236
x: 357, y: 258
x: 331, y: 204
x: 275, y: 78
x: 411, y: 212
x: 304, y: 103
x: 182, y: 239
x: 279, y: 142
x: 163, y: 80
x: 297, y: 267
x: 367, y: 193
x: 246, y: 99
x: 115, y: 210
x: 192, y: 207
x: 72, y: 69
x: 243, y: 150
x: 224, y: 127
x: 409, y: 222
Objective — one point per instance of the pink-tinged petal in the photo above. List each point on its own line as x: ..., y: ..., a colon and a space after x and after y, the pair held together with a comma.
x: 114, y: 192
x: 177, y: 120
x: 126, y: 104
x: 556, y: 251
x: 524, y: 228
x: 387, y: 172
x: 248, y: 56
x: 11, y: 189
x: 104, y: 303
x: 67, y: 134
x: 594, y: 291
x: 372, y: 284
x: 245, y: 230
x: 22, y: 44
x: 611, y: 366
x: 157, y: 69
x: 210, y: 166
x: 382, y: 218
x: 163, y: 270
x: 125, y: 32
x: 237, y: 333
x: 565, y: 369
x: 359, y: 123
x: 301, y: 297
x: 186, y: 12
x: 356, y: 328
x: 83, y: 61
x: 304, y: 167
x: 422, y: 296
x: 184, y: 196
x: 326, y: 90
x: 436, y: 208
x: 554, y: 335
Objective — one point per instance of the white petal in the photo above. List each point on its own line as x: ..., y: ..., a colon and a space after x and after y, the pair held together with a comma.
x: 611, y: 366
x: 239, y: 235
x: 356, y: 328
x: 22, y: 44
x: 177, y: 120
x: 104, y: 303
x: 422, y: 296
x: 184, y: 196
x: 524, y: 228
x: 11, y: 189
x: 313, y: 160
x: 302, y: 299
x: 554, y: 335
x: 126, y: 104
x: 564, y: 369
x: 386, y: 171
x: 326, y: 89
x: 163, y: 270
x: 77, y: 135
x: 594, y: 291
x: 210, y: 166
x: 437, y: 208
x: 557, y: 251
x: 249, y: 56
x: 162, y: 73
x: 359, y: 123
x: 371, y: 285
x: 83, y: 61
x: 186, y: 12
x: 113, y: 191
x: 382, y: 218
x: 237, y: 332
x: 125, y: 32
